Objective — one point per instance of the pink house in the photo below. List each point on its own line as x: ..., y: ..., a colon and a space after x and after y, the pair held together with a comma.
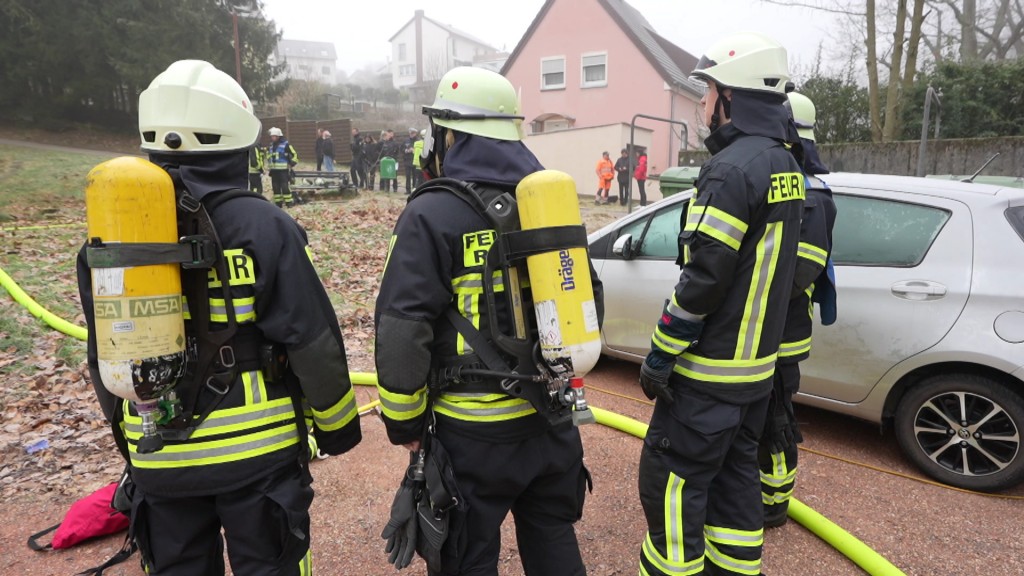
x: 586, y: 63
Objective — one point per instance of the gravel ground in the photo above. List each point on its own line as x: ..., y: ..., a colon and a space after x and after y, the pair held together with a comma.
x: 922, y: 529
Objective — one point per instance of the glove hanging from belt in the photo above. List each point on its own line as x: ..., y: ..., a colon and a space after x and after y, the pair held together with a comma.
x: 780, y: 428
x: 400, y: 531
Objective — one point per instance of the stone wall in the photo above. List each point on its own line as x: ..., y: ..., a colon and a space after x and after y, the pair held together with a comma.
x: 964, y: 156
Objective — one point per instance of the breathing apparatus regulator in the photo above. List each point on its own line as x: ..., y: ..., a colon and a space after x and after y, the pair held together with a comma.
x: 134, y: 250
x: 539, y: 234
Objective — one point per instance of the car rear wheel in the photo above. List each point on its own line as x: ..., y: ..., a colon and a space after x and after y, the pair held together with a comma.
x: 964, y: 430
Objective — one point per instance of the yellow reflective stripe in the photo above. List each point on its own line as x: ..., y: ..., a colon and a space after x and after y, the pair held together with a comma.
x: 474, y: 283
x: 398, y: 406
x: 306, y: 564
x: 337, y: 416
x: 794, y: 348
x: 673, y: 346
x: 218, y: 451
x: 767, y: 256
x: 228, y: 420
x: 674, y: 519
x: 473, y: 407
x: 729, y: 563
x: 725, y: 371
x: 245, y: 309
x: 733, y: 536
x: 254, y: 386
x: 776, y: 498
x: 391, y: 247
x: 775, y: 481
x: 717, y: 224
x: 812, y: 253
x: 678, y: 311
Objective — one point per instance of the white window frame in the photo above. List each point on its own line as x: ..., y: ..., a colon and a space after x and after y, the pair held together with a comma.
x: 583, y: 70
x: 401, y: 52
x: 544, y: 86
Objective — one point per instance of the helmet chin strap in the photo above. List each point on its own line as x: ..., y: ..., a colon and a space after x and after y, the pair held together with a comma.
x: 725, y: 104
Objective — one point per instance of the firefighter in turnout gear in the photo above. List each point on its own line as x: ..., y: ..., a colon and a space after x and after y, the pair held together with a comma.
x: 274, y: 388
x: 505, y: 454
x: 257, y: 156
x: 777, y: 454
x: 281, y: 158
x: 715, y: 346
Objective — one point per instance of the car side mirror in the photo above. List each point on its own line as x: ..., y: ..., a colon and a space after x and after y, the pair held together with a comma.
x: 624, y: 246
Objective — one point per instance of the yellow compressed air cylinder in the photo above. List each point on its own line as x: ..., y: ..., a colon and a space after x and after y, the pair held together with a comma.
x: 140, y: 332
x: 560, y: 280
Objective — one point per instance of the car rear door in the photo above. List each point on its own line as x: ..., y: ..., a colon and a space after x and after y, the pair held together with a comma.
x: 903, y: 271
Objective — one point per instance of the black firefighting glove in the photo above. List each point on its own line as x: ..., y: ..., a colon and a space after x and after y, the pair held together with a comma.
x: 400, y: 531
x: 780, y: 430
x: 654, y: 374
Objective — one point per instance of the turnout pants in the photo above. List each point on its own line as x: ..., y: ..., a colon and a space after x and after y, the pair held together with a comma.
x: 778, y: 470
x: 699, y: 487
x: 541, y: 480
x: 256, y: 182
x: 266, y: 525
x: 279, y: 184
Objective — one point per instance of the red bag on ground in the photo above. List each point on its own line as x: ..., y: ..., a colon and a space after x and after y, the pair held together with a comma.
x: 87, y: 518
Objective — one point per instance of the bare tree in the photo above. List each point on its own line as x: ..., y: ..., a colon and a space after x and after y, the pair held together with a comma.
x: 984, y: 29
x: 899, y: 57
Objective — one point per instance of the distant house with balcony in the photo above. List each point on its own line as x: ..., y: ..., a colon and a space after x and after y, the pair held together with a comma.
x: 586, y: 67
x: 308, y: 60
x: 424, y: 49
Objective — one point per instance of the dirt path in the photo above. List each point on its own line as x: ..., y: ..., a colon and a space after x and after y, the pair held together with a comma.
x: 922, y: 529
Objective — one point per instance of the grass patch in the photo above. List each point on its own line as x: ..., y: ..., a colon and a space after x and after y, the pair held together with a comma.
x: 42, y: 185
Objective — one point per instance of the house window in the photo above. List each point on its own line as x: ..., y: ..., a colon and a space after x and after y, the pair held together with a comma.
x: 326, y: 70
x: 401, y: 51
x: 407, y: 70
x: 594, y: 70
x: 552, y: 73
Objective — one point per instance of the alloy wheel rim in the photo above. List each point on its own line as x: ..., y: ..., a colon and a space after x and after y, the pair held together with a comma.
x: 966, y: 433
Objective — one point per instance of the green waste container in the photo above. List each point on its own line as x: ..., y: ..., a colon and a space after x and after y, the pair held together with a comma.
x: 678, y: 178
x: 388, y: 168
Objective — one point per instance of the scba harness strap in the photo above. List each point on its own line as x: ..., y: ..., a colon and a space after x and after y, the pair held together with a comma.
x: 508, y: 361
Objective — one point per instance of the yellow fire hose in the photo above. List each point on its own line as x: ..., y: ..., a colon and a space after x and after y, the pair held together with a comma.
x: 872, y: 562
x: 51, y: 319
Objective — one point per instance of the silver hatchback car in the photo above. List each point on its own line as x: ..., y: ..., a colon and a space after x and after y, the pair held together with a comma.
x: 930, y: 336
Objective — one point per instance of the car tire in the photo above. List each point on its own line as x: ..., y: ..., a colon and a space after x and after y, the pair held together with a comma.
x: 948, y: 420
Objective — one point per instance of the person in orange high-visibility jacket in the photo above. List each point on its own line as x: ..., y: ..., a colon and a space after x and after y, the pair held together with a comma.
x: 605, y: 174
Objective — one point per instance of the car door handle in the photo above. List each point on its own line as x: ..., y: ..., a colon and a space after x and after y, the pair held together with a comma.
x: 918, y: 290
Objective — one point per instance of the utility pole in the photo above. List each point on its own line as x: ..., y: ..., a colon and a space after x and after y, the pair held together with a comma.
x: 922, y: 150
x: 238, y: 48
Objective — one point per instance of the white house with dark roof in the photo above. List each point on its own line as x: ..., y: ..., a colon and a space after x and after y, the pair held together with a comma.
x: 308, y: 60
x: 424, y: 49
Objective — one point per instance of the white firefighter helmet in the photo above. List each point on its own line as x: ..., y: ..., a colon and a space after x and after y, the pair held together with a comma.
x: 804, y: 114
x: 275, y: 131
x: 194, y: 107
x: 477, y: 101
x: 745, y: 61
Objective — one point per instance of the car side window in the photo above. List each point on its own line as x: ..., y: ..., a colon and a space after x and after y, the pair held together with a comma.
x: 879, y: 232
x: 657, y: 237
